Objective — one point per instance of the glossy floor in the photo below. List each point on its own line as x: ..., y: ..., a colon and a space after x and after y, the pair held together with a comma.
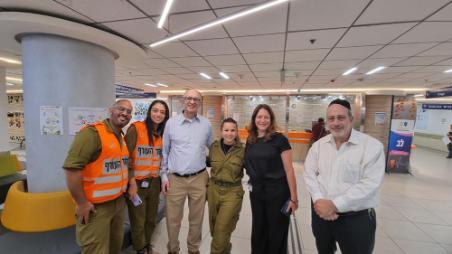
x: 414, y: 215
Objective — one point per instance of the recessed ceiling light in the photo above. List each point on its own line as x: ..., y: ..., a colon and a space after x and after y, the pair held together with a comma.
x: 448, y: 71
x: 13, y: 79
x: 164, y: 13
x: 350, y: 71
x: 160, y: 84
x: 224, y: 75
x: 205, y: 75
x: 151, y: 85
x: 9, y: 84
x: 9, y: 60
x: 379, y: 68
x: 219, y: 21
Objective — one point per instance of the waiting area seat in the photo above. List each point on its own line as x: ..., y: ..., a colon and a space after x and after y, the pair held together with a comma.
x: 10, y: 168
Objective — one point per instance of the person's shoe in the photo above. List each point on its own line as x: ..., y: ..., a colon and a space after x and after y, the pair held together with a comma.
x: 143, y: 251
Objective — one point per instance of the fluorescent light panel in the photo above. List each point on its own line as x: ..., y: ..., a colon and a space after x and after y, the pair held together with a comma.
x: 13, y: 79
x: 151, y: 85
x: 224, y: 75
x: 219, y: 21
x: 165, y: 13
x: 9, y: 60
x: 205, y: 75
x: 379, y: 68
x: 448, y: 71
x: 162, y: 85
x: 350, y: 71
x: 9, y: 84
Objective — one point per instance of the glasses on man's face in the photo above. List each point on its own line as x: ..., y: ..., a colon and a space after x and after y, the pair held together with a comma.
x: 124, y: 110
x: 194, y: 99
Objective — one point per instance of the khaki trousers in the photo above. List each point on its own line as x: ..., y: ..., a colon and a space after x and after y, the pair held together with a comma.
x: 224, y: 205
x: 143, y: 218
x: 194, y: 188
x: 104, y: 232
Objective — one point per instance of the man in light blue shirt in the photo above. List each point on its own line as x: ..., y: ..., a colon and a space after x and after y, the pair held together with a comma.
x: 183, y: 171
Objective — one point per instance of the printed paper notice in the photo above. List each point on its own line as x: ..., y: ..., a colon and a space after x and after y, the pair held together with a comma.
x: 80, y: 116
x: 51, y: 120
x: 380, y: 118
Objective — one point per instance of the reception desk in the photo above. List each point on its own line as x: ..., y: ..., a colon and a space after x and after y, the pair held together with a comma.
x: 297, y: 139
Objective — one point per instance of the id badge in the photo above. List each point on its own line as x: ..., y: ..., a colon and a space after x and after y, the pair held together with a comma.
x: 144, y: 184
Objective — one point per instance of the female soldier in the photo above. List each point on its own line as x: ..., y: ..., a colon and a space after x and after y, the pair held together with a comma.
x: 144, y: 141
x: 273, y: 188
x: 225, y: 191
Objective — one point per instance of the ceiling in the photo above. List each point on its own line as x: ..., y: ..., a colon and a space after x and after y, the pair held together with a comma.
x: 314, y: 41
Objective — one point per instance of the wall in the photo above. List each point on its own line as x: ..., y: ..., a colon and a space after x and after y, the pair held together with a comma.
x: 431, y: 126
x: 381, y: 104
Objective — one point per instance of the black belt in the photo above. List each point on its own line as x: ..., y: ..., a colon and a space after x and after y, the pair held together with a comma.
x: 226, y: 184
x: 190, y: 174
x: 354, y: 213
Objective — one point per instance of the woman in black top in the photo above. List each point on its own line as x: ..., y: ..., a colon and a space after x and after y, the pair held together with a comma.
x: 268, y: 162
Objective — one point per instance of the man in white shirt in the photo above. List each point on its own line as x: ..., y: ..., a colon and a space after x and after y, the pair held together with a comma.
x: 343, y: 173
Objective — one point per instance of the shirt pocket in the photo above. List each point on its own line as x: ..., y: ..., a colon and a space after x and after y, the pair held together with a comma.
x: 351, y: 172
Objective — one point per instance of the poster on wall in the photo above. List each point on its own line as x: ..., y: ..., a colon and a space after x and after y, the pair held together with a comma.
x: 80, y: 116
x: 140, y: 109
x: 380, y: 118
x: 401, y: 135
x: 51, y: 120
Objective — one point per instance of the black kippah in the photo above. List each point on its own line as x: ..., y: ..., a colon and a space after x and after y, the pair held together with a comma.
x: 341, y: 102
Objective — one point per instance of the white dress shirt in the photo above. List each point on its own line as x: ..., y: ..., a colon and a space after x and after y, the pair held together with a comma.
x: 349, y: 176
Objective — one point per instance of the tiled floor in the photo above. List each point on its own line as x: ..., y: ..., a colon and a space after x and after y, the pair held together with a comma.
x: 414, y: 216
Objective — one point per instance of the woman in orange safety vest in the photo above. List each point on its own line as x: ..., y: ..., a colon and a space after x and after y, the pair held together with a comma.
x: 144, y: 141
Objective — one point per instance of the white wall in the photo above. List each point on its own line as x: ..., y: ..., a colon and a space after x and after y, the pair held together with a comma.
x: 433, y: 121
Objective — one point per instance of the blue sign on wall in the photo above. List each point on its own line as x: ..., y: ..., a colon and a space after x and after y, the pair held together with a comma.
x: 437, y: 106
x: 436, y: 94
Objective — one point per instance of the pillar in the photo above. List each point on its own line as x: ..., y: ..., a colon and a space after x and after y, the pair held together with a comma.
x: 4, y: 139
x: 64, y: 72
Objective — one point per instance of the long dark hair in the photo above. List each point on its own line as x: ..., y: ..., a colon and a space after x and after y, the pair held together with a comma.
x: 150, y: 124
x: 252, y: 128
x: 231, y: 120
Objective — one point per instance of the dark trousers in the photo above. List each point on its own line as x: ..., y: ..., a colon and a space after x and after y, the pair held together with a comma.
x: 355, y: 233
x: 449, y: 146
x: 269, y: 227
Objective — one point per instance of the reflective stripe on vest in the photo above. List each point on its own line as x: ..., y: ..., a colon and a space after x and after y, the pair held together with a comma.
x: 106, y: 178
x: 145, y: 159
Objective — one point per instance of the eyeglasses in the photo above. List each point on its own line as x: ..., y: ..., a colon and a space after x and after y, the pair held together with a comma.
x: 195, y: 99
x: 124, y: 110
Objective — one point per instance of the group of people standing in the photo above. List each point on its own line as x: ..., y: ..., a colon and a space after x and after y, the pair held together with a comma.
x: 168, y: 155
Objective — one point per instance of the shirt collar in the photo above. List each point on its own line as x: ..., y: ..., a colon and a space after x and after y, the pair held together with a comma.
x: 182, y: 119
x: 353, y: 139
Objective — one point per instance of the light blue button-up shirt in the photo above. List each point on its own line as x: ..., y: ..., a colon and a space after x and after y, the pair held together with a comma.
x: 184, y: 145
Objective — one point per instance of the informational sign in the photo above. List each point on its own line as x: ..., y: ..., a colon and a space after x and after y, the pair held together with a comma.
x: 380, y: 118
x: 436, y: 94
x: 51, y: 120
x: 401, y: 135
x: 81, y: 116
x: 437, y: 106
x: 123, y: 91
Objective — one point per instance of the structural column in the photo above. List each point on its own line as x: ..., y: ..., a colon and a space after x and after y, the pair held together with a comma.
x: 64, y: 72
x: 4, y: 139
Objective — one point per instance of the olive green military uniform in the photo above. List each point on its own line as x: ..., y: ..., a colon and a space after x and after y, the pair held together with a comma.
x: 224, y: 194
x: 104, y: 232
x: 143, y: 218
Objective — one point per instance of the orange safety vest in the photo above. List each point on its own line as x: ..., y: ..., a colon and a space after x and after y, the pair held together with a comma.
x: 106, y: 178
x: 145, y: 160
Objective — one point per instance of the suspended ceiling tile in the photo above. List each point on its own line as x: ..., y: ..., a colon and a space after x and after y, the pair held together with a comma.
x: 306, y: 55
x: 177, y: 70
x: 155, y: 7
x: 265, y: 43
x: 181, y: 22
x: 226, y: 59
x: 268, y: 57
x: 111, y: 10
x: 381, y: 11
x: 424, y: 60
x: 191, y: 61
x: 213, y: 47
x: 444, y: 14
x: 271, y: 20
x: 402, y: 50
x: 443, y: 49
x: 229, y: 3
x: 373, y: 35
x: 322, y: 14
x: 428, y: 32
x: 266, y: 67
x: 133, y: 29
x: 352, y: 53
x: 161, y: 63
x: 233, y: 68
x: 323, y: 39
x: 305, y: 66
x: 174, y: 49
